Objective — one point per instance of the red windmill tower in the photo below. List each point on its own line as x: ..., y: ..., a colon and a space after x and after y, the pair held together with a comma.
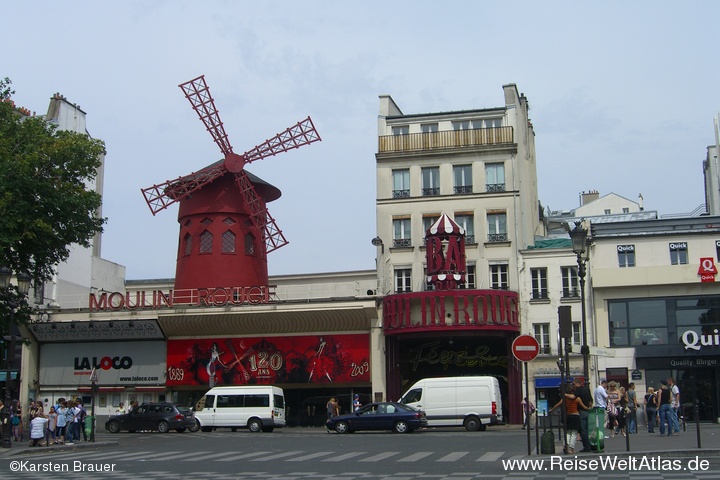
x: 226, y: 230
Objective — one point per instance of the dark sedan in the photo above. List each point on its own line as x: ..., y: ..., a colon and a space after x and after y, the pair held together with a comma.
x: 162, y: 417
x: 379, y: 416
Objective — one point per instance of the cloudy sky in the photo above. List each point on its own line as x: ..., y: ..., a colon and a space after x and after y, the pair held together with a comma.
x: 622, y: 97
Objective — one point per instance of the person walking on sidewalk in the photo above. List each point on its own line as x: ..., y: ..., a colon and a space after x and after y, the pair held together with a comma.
x: 665, y: 404
x: 632, y: 406
x: 674, y: 404
x: 650, y: 409
x: 528, y: 410
x: 583, y: 392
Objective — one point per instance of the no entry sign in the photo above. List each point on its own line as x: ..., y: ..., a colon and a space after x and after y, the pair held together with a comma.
x: 525, y: 348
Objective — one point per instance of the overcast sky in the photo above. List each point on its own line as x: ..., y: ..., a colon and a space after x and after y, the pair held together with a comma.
x: 622, y: 98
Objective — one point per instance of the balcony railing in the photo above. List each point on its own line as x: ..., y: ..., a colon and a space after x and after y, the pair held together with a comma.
x: 463, y: 190
x: 495, y: 187
x: 401, y: 193
x: 540, y: 295
x: 571, y: 293
x: 429, y: 192
x: 446, y: 139
x: 402, y: 242
x: 497, y: 237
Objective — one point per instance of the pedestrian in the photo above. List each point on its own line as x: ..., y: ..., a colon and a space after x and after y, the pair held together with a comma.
x: 62, y: 422
x: 528, y: 410
x: 121, y: 409
x: 632, y: 406
x: 583, y: 392
x: 37, y: 429
x: 675, y: 402
x: 333, y: 409
x: 82, y: 413
x: 650, y: 409
x: 70, y: 423
x: 77, y: 421
x: 613, y: 405
x: 356, y: 403
x: 51, y: 432
x: 573, y: 404
x: 601, y: 395
x: 665, y: 408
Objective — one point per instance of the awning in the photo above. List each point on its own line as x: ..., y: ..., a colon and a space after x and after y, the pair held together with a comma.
x: 101, y: 389
x: 156, y: 388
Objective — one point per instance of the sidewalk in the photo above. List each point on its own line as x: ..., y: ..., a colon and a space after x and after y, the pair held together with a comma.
x: 24, y: 448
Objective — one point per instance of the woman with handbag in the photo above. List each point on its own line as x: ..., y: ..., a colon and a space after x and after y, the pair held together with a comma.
x: 651, y: 409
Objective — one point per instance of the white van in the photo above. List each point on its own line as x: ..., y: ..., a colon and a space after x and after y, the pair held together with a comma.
x: 473, y: 402
x: 258, y: 408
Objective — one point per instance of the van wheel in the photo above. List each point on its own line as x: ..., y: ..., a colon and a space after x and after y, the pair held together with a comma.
x: 401, y: 427
x: 472, y: 424
x: 255, y: 425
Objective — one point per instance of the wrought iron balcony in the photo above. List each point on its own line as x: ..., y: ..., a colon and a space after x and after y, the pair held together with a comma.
x: 571, y: 293
x: 402, y: 242
x: 497, y: 237
x: 540, y: 295
x: 463, y: 190
x: 445, y: 139
x: 429, y: 192
x: 495, y: 187
x: 401, y: 193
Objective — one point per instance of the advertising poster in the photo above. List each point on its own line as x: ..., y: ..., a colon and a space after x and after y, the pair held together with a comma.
x: 318, y: 359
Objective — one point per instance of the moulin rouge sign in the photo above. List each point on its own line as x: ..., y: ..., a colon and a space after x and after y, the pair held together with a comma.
x: 201, y: 297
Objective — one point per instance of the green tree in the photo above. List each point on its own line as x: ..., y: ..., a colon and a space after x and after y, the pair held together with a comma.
x: 45, y: 204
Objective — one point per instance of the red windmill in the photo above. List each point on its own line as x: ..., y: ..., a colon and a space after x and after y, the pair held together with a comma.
x: 226, y: 230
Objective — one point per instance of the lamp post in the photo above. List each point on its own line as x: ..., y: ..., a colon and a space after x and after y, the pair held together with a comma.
x: 579, y: 237
x: 23, y: 287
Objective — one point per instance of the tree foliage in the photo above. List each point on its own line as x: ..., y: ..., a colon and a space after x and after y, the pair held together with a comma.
x: 45, y: 202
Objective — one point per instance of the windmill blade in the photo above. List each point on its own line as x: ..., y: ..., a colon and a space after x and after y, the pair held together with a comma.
x: 302, y: 133
x: 259, y: 215
x: 161, y: 196
x: 198, y: 93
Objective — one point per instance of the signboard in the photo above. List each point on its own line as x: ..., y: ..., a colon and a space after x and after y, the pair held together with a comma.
x: 636, y: 375
x: 315, y: 359
x: 707, y: 269
x: 525, y: 348
x: 116, y: 363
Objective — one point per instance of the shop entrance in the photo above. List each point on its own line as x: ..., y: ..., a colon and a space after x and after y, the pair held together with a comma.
x: 698, y: 384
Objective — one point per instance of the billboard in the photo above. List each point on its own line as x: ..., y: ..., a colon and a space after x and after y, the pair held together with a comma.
x: 116, y: 363
x: 315, y: 359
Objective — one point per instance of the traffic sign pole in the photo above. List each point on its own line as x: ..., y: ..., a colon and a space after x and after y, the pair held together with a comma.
x: 525, y: 348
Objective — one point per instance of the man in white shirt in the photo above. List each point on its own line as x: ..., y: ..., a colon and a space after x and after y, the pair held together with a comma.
x: 674, y: 405
x: 601, y: 395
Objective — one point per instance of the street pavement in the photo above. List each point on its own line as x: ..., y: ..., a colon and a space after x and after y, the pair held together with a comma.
x: 687, y: 443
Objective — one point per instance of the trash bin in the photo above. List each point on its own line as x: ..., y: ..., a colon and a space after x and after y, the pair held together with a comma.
x: 88, y: 424
x: 596, y: 428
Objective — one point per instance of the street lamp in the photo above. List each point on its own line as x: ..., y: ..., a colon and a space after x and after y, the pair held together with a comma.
x: 23, y: 287
x: 579, y: 238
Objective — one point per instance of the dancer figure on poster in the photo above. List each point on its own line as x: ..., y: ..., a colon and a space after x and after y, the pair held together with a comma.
x: 320, y: 363
x: 211, y: 366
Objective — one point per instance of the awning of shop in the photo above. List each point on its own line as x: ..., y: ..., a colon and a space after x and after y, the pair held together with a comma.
x: 550, y: 382
x: 150, y: 389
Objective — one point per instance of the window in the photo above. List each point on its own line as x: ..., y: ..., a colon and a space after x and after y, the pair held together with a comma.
x: 470, y: 282
x: 187, y: 240
x: 401, y: 130
x: 499, y: 277
x: 466, y: 222
x: 403, y: 280
x: 539, y: 283
x: 249, y: 244
x: 462, y: 125
x: 626, y: 255
x: 542, y: 335
x: 206, y: 239
x: 428, y: 221
x: 678, y: 253
x: 462, y: 176
x: 607, y: 211
x: 495, y: 177
x: 431, y: 181
x: 429, y: 127
x: 401, y: 232
x: 625, y: 209
x: 642, y: 322
x: 717, y: 249
x: 570, y: 282
x: 497, y: 227
x: 228, y: 242
x: 576, y: 333
x: 401, y: 183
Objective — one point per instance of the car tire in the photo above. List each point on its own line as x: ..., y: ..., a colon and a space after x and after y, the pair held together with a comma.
x: 472, y: 424
x: 112, y: 426
x: 163, y: 426
x: 401, y: 426
x: 342, y: 427
x: 180, y: 430
x: 255, y: 425
x: 195, y: 427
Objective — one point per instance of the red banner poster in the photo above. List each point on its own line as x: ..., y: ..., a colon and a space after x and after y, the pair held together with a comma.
x: 269, y: 360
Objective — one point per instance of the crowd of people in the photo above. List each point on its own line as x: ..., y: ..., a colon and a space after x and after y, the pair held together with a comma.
x: 59, y: 423
x: 621, y: 410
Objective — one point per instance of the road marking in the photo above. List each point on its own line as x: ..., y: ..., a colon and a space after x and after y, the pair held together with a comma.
x: 346, y: 456
x: 241, y: 456
x: 205, y: 457
x: 378, y: 457
x: 277, y: 455
x: 490, y: 457
x: 309, y: 457
x: 415, y: 456
x: 453, y: 457
x: 179, y: 456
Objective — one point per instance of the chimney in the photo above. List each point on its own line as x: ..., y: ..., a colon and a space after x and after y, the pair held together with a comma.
x: 589, y: 196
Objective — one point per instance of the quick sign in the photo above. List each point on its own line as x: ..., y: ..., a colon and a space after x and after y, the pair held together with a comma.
x: 707, y: 269
x: 694, y: 341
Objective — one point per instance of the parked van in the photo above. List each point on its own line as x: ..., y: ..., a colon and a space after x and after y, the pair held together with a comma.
x: 258, y: 408
x: 473, y: 402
